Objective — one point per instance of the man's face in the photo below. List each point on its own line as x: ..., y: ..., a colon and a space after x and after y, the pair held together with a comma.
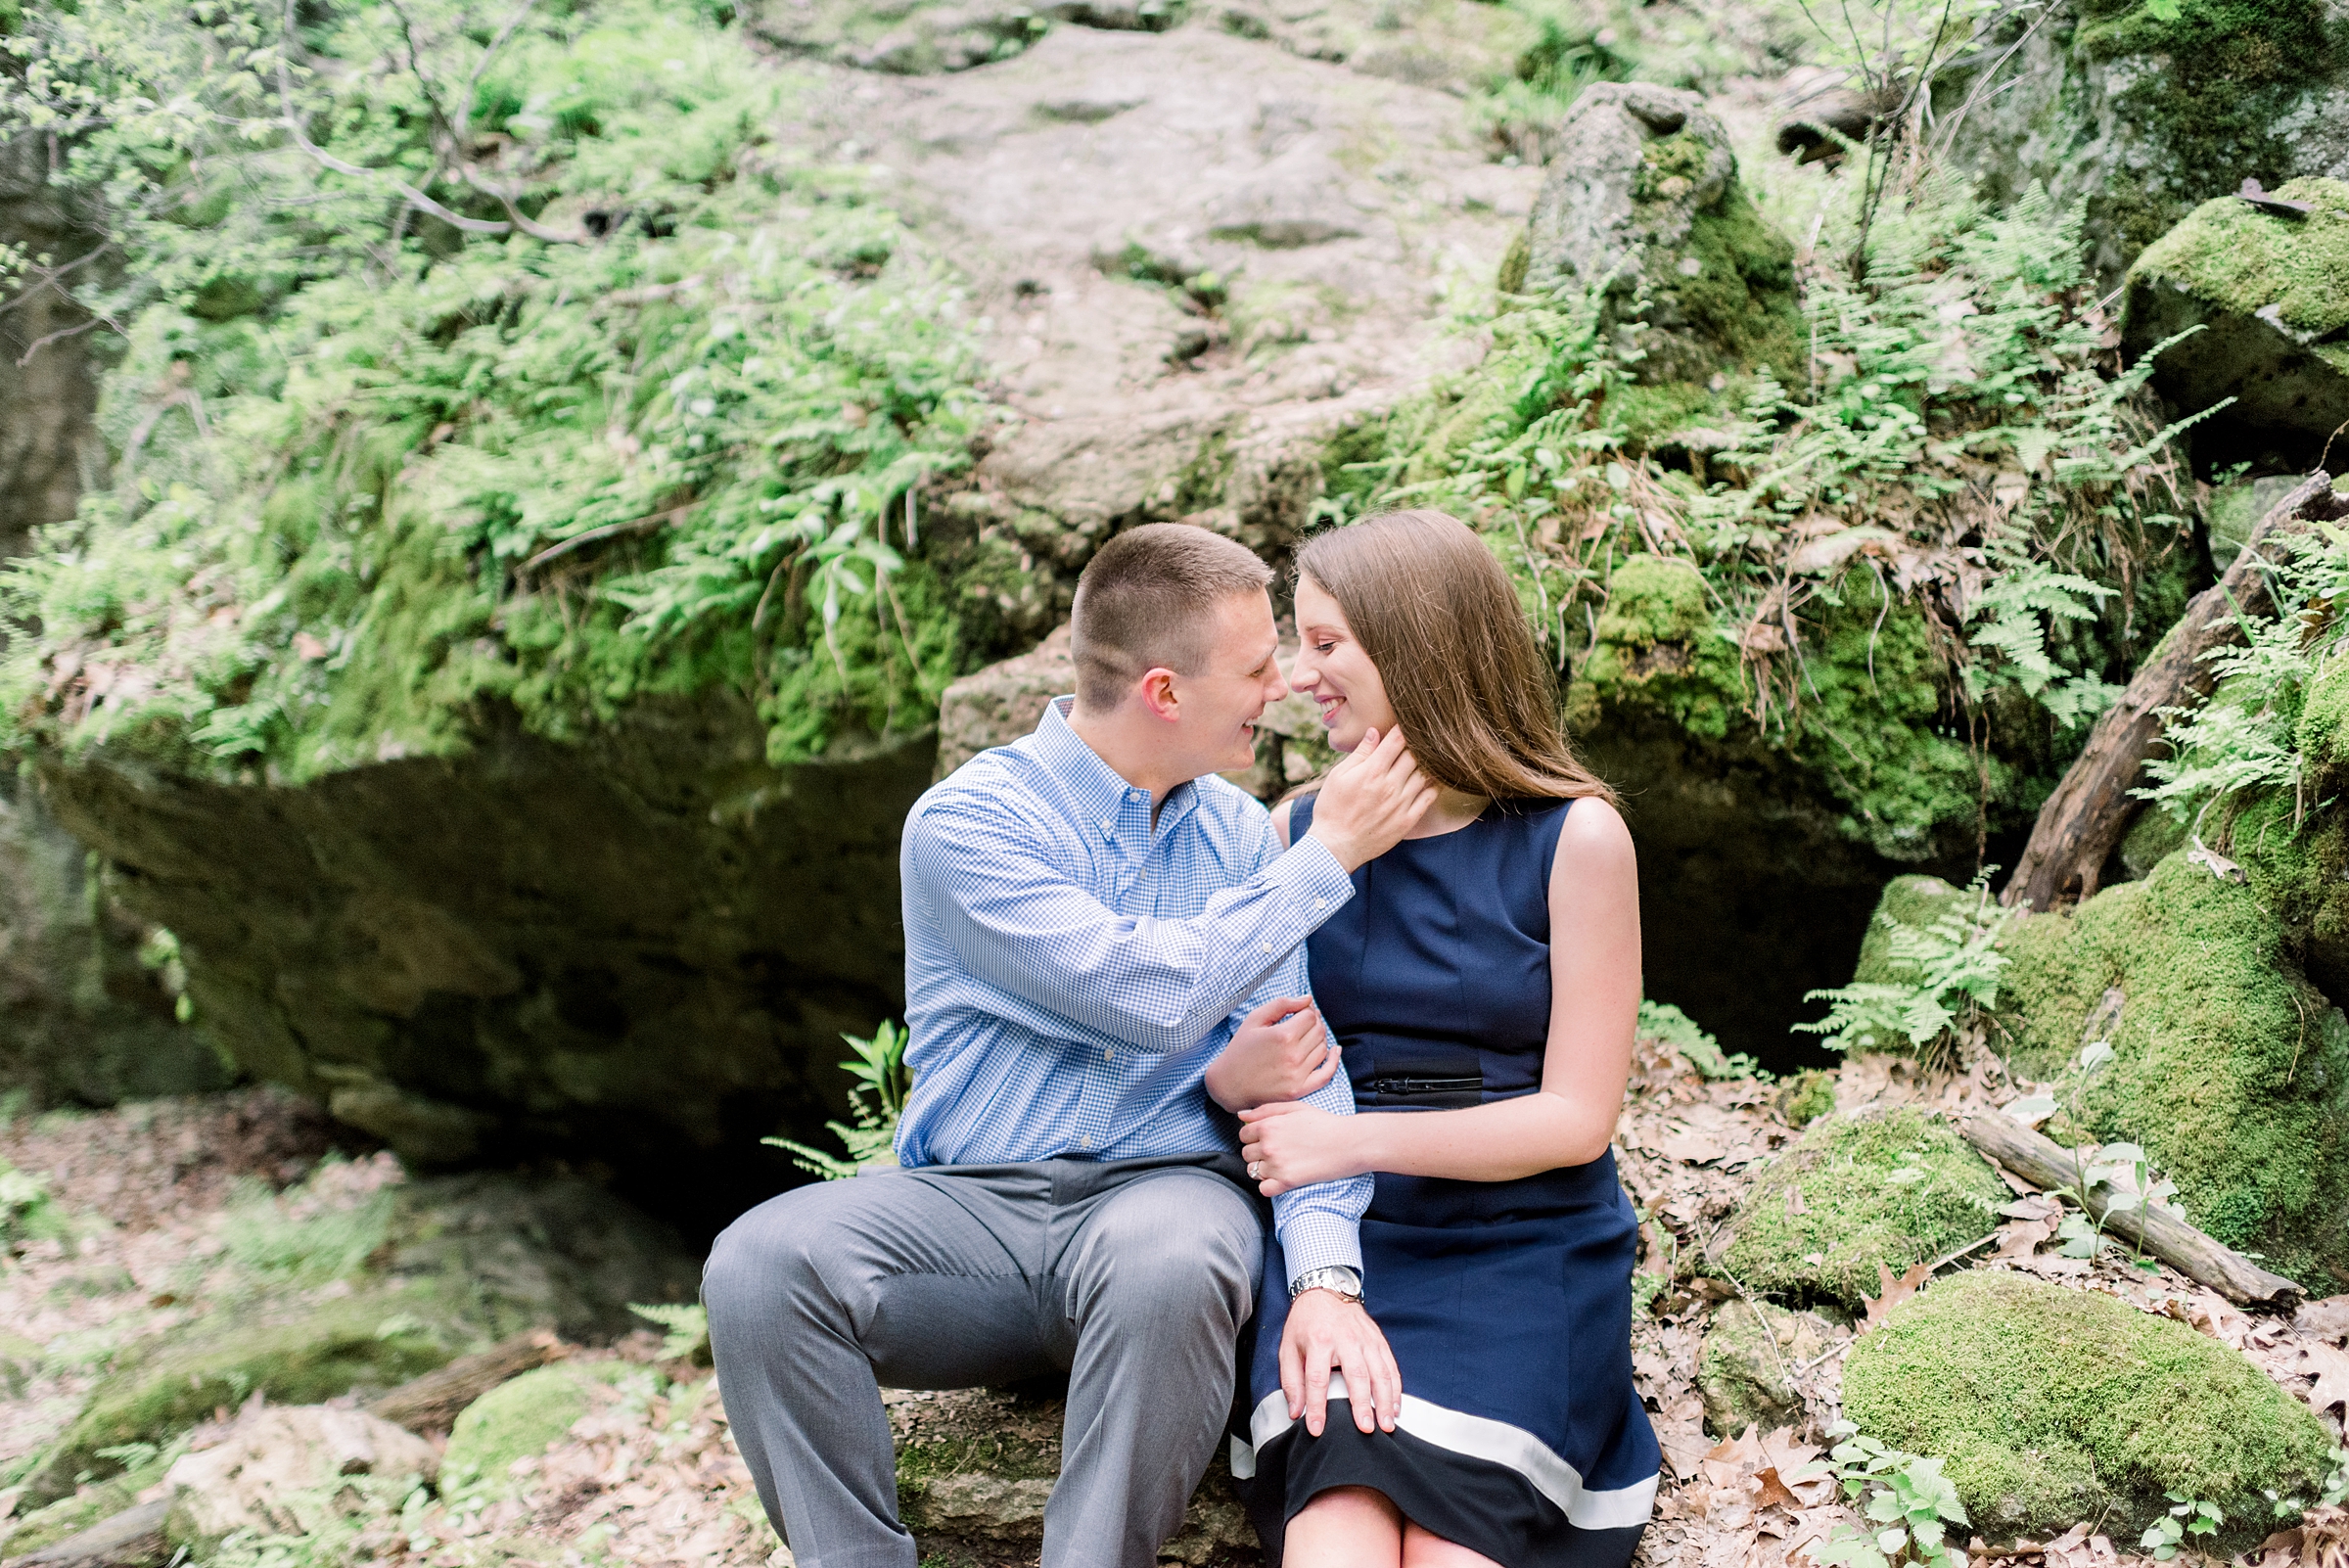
x: 1217, y: 705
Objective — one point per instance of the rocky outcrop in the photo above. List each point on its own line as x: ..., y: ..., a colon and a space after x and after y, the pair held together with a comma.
x: 2264, y: 289
x: 276, y: 1472
x: 48, y: 376
x: 637, y: 953
x: 2144, y: 109
x: 1643, y: 197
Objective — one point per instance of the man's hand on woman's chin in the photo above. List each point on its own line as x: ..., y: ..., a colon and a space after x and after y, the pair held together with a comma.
x: 1325, y: 1330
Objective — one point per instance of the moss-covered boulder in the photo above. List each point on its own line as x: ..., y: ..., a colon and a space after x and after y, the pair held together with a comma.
x: 2142, y: 109
x: 1858, y: 1194
x: 1644, y: 191
x: 518, y: 1420
x: 50, y: 1523
x: 2052, y: 1407
x: 2228, y: 1067
x: 299, y: 1352
x: 2269, y: 292
x: 1744, y: 1370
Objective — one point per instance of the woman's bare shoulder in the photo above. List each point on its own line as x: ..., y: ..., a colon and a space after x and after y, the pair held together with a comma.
x: 1593, y: 838
x: 1281, y: 822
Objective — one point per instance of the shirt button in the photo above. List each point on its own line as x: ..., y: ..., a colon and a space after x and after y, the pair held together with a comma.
x: 1084, y: 1143
x: 1268, y: 947
x: 1321, y: 904
x: 1109, y: 1056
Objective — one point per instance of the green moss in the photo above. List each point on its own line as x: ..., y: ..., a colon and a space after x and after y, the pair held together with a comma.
x: 1854, y: 1196
x: 302, y: 1355
x: 2053, y: 1406
x: 2228, y: 1067
x: 518, y: 1419
x: 1806, y: 1097
x: 1743, y: 295
x: 1914, y: 902
x: 2248, y: 261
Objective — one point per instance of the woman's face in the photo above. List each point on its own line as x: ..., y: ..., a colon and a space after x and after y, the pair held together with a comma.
x: 1332, y: 669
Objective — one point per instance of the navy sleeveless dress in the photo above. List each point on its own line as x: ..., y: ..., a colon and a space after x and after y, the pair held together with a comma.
x: 1507, y: 1304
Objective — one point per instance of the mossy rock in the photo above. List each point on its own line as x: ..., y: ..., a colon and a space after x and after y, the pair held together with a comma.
x: 2271, y: 296
x: 1856, y: 1194
x: 306, y: 1353
x: 2052, y: 1407
x: 1743, y: 1379
x: 2228, y: 1067
x: 1915, y: 901
x: 518, y: 1419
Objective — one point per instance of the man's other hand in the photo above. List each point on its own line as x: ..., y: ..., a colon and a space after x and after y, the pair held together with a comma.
x: 1327, y: 1330
x: 1281, y: 1052
x: 1370, y: 800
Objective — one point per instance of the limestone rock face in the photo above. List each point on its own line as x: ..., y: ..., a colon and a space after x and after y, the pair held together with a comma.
x: 1642, y: 190
x: 2144, y: 116
x: 48, y: 400
x: 1742, y: 1369
x: 639, y: 952
x: 275, y: 1469
x: 2269, y: 292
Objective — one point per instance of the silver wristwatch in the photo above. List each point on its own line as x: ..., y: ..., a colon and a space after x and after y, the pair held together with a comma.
x: 1339, y: 1281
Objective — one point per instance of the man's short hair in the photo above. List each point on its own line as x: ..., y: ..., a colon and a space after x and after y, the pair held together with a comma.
x: 1146, y: 600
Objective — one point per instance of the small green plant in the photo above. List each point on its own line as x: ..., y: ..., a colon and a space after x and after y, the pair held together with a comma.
x: 300, y: 1236
x: 883, y: 1080
x: 2123, y: 1172
x: 686, y: 1329
x: 27, y: 1213
x: 1905, y: 1496
x: 2187, y: 1516
x: 1697, y: 1048
x: 1956, y: 963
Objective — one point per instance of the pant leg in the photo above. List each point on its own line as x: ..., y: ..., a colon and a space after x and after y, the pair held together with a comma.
x: 1154, y: 1281
x: 813, y: 1293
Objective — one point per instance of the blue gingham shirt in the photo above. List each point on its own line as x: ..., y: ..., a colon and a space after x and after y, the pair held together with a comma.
x: 1070, y: 972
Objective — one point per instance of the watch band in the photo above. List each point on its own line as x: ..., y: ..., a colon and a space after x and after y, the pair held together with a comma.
x: 1336, y: 1278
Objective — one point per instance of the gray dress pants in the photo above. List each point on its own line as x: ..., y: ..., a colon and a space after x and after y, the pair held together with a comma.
x: 1134, y: 1277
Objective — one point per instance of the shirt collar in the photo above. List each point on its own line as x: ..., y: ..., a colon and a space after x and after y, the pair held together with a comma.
x: 1100, y: 793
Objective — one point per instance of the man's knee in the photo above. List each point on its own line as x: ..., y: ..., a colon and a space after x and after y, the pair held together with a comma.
x: 1176, y: 1245
x: 780, y: 1251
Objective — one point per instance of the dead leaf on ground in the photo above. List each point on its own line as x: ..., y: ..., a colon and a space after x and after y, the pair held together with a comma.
x: 2019, y: 1239
x: 2331, y: 1367
x: 1774, y: 1491
x: 1893, y: 1292
x: 2326, y: 1319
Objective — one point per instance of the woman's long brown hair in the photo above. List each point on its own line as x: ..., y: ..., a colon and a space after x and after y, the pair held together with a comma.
x: 1433, y: 609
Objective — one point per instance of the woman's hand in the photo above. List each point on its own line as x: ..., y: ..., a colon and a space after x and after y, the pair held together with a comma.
x: 1282, y: 1052
x: 1291, y: 1145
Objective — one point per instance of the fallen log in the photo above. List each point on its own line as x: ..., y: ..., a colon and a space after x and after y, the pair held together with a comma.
x: 2082, y: 821
x: 133, y: 1539
x: 2051, y: 1167
x: 431, y: 1402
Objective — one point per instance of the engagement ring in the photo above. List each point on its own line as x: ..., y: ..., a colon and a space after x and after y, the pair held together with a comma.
x: 1255, y: 1169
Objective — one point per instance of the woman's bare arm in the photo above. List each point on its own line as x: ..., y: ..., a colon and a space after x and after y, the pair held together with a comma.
x: 1594, y: 1005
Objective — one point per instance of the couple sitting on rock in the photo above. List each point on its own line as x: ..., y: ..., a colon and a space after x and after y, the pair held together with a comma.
x: 1117, y: 1057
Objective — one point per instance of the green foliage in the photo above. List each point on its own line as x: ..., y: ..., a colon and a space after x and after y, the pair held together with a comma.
x: 1697, y: 1048
x: 2052, y: 1406
x: 1916, y: 567
x: 297, y: 1237
x: 27, y: 1211
x: 553, y: 389
x: 1906, y: 1497
x: 2187, y: 1516
x: 686, y: 1329
x: 1946, y: 973
x: 517, y: 1420
x: 877, y: 1099
x: 1857, y: 1195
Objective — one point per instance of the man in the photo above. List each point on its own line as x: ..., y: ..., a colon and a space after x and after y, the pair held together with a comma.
x: 1089, y: 917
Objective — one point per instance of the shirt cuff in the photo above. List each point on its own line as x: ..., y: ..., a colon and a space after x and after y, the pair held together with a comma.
x: 1310, y: 875
x: 1317, y: 1240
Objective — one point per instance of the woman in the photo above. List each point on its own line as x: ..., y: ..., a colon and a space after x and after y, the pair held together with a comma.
x: 1483, y: 986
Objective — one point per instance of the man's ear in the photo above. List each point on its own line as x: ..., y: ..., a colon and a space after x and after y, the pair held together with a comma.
x: 1156, y: 687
